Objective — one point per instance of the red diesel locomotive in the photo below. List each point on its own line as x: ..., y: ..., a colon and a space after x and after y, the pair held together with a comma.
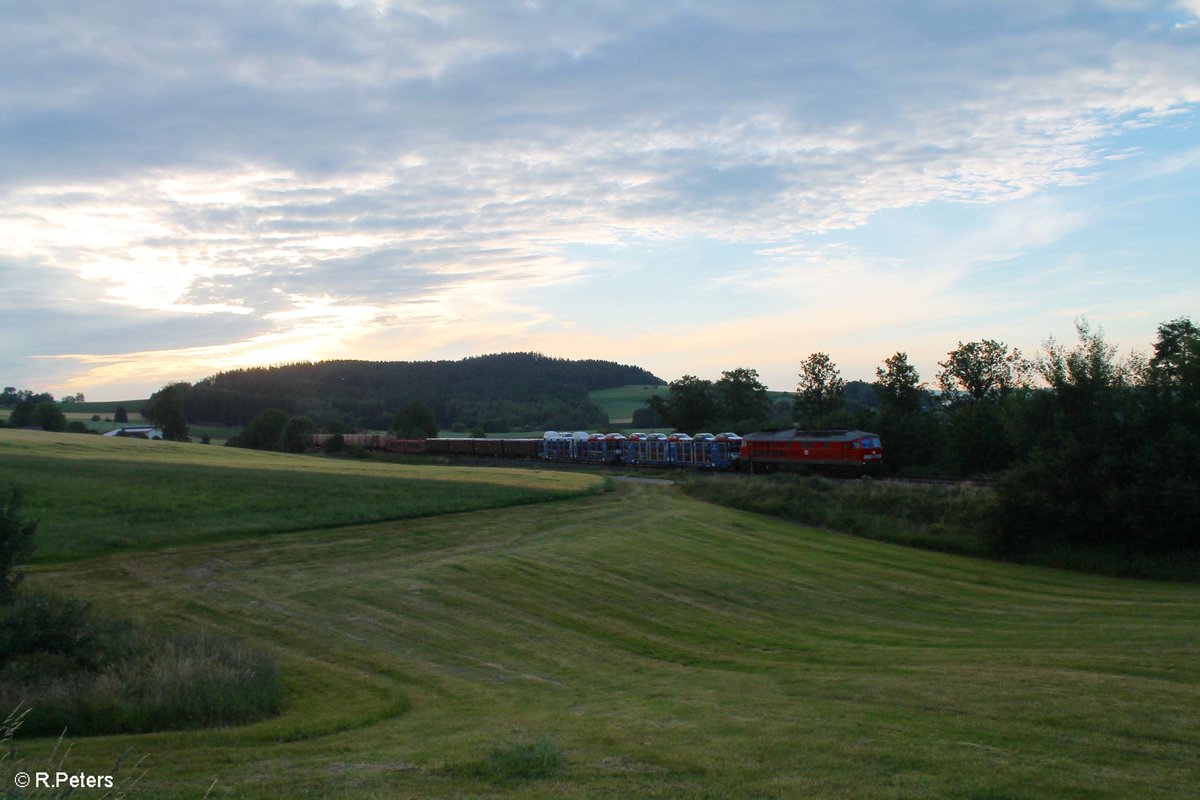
x: 793, y: 449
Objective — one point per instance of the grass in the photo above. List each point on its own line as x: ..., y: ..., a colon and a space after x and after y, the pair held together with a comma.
x: 621, y: 402
x: 943, y: 518
x: 669, y: 648
x: 13, y: 764
x: 516, y: 762
x: 95, y: 495
x: 951, y: 519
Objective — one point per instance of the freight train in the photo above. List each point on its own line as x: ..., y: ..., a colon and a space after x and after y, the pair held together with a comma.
x: 844, y: 451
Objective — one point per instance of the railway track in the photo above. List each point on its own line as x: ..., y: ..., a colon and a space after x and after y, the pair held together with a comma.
x: 974, y: 482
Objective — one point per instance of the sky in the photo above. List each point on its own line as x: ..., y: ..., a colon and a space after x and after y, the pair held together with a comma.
x: 692, y: 187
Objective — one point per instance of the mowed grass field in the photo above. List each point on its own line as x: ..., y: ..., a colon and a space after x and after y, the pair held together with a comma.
x: 670, y: 648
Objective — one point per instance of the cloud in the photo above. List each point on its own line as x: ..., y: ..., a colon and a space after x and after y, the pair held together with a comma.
x: 416, y: 164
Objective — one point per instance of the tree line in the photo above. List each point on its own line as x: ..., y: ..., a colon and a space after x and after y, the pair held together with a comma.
x: 1086, y: 447
x: 32, y: 409
x: 508, y: 391
x: 273, y: 429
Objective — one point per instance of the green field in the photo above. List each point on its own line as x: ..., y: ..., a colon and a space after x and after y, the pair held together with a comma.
x: 98, y: 494
x: 621, y: 402
x: 669, y: 647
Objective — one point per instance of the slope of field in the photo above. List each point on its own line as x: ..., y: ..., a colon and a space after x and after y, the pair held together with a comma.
x: 621, y: 402
x: 96, y: 494
x: 671, y: 649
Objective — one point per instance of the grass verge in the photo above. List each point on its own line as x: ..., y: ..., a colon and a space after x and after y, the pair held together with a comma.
x: 946, y: 518
x: 942, y: 518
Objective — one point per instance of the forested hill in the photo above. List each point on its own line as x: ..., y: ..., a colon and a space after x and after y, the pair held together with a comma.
x: 507, y: 391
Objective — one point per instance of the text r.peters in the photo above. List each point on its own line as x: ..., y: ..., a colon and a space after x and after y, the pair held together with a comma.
x: 61, y: 780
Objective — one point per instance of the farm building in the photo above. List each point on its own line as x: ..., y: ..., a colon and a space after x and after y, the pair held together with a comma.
x: 137, y: 432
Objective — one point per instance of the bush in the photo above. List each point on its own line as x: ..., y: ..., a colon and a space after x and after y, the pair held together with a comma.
x: 265, y: 431
x: 39, y: 626
x: 22, y: 414
x: 93, y: 675
x: 415, y: 421
x: 16, y: 540
x: 50, y: 417
x: 333, y: 443
x: 294, y: 437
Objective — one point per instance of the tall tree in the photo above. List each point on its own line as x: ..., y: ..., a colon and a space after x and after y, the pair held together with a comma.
x: 1176, y: 359
x: 820, y: 393
x: 414, y: 420
x: 899, y: 384
x: 909, y: 433
x: 265, y: 431
x: 742, y: 401
x: 1170, y: 435
x: 294, y: 437
x: 16, y: 540
x: 1086, y: 479
x: 22, y: 414
x: 690, y: 405
x: 982, y: 370
x: 1085, y: 373
x: 50, y: 417
x: 165, y: 411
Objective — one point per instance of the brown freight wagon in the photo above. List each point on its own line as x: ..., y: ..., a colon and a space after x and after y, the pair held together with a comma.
x: 461, y: 447
x: 521, y: 448
x: 489, y: 447
x: 394, y: 445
